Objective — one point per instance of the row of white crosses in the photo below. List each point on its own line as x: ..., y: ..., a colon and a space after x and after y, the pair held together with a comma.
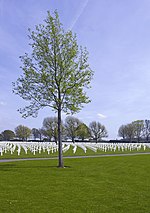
x: 51, y: 147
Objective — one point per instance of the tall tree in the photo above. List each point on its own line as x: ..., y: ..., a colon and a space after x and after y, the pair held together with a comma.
x: 55, y: 74
x: 98, y: 131
x: 22, y: 132
x: 8, y: 135
x: 71, y: 125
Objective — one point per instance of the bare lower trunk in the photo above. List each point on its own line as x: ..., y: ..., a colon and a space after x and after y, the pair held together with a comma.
x: 60, y: 157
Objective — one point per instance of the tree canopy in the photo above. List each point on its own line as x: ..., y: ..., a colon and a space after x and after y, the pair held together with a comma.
x: 23, y: 132
x: 7, y: 135
x: 83, y: 131
x: 71, y: 126
x: 98, y: 131
x: 50, y: 128
x: 138, y: 130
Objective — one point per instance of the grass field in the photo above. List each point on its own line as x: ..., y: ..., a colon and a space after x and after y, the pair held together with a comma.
x: 94, y: 185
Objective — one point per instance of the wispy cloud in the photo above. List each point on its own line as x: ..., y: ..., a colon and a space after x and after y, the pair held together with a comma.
x: 79, y: 13
x: 2, y: 103
x: 101, y: 116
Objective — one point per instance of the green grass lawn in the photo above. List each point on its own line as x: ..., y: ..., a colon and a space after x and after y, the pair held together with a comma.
x: 93, y: 185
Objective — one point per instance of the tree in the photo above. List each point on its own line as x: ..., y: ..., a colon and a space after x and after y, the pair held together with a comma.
x: 127, y: 131
x: 138, y: 129
x: 55, y: 74
x: 83, y: 131
x: 1, y: 137
x: 71, y: 125
x: 36, y: 133
x: 130, y: 131
x: 122, y: 131
x: 8, y: 135
x: 50, y: 127
x: 40, y: 133
x: 22, y: 132
x: 146, y: 130
x: 98, y: 131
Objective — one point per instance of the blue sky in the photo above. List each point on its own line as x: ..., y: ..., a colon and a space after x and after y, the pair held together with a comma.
x: 117, y: 36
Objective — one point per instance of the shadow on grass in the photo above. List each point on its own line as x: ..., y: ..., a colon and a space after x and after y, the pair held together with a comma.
x: 10, y: 167
x: 7, y: 167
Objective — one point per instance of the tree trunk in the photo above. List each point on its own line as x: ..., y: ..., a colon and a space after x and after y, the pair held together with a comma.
x: 61, y: 164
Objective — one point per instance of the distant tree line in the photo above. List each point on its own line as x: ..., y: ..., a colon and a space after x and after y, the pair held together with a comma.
x: 72, y: 129
x: 138, y: 131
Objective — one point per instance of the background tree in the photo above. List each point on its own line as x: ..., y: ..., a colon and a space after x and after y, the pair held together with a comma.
x: 138, y: 129
x: 55, y: 74
x: 122, y: 132
x: 127, y: 131
x: 40, y: 133
x: 36, y: 133
x: 146, y: 131
x: 8, y: 135
x: 1, y: 137
x: 71, y: 125
x: 97, y: 130
x: 83, y: 131
x: 23, y: 132
x: 50, y: 127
